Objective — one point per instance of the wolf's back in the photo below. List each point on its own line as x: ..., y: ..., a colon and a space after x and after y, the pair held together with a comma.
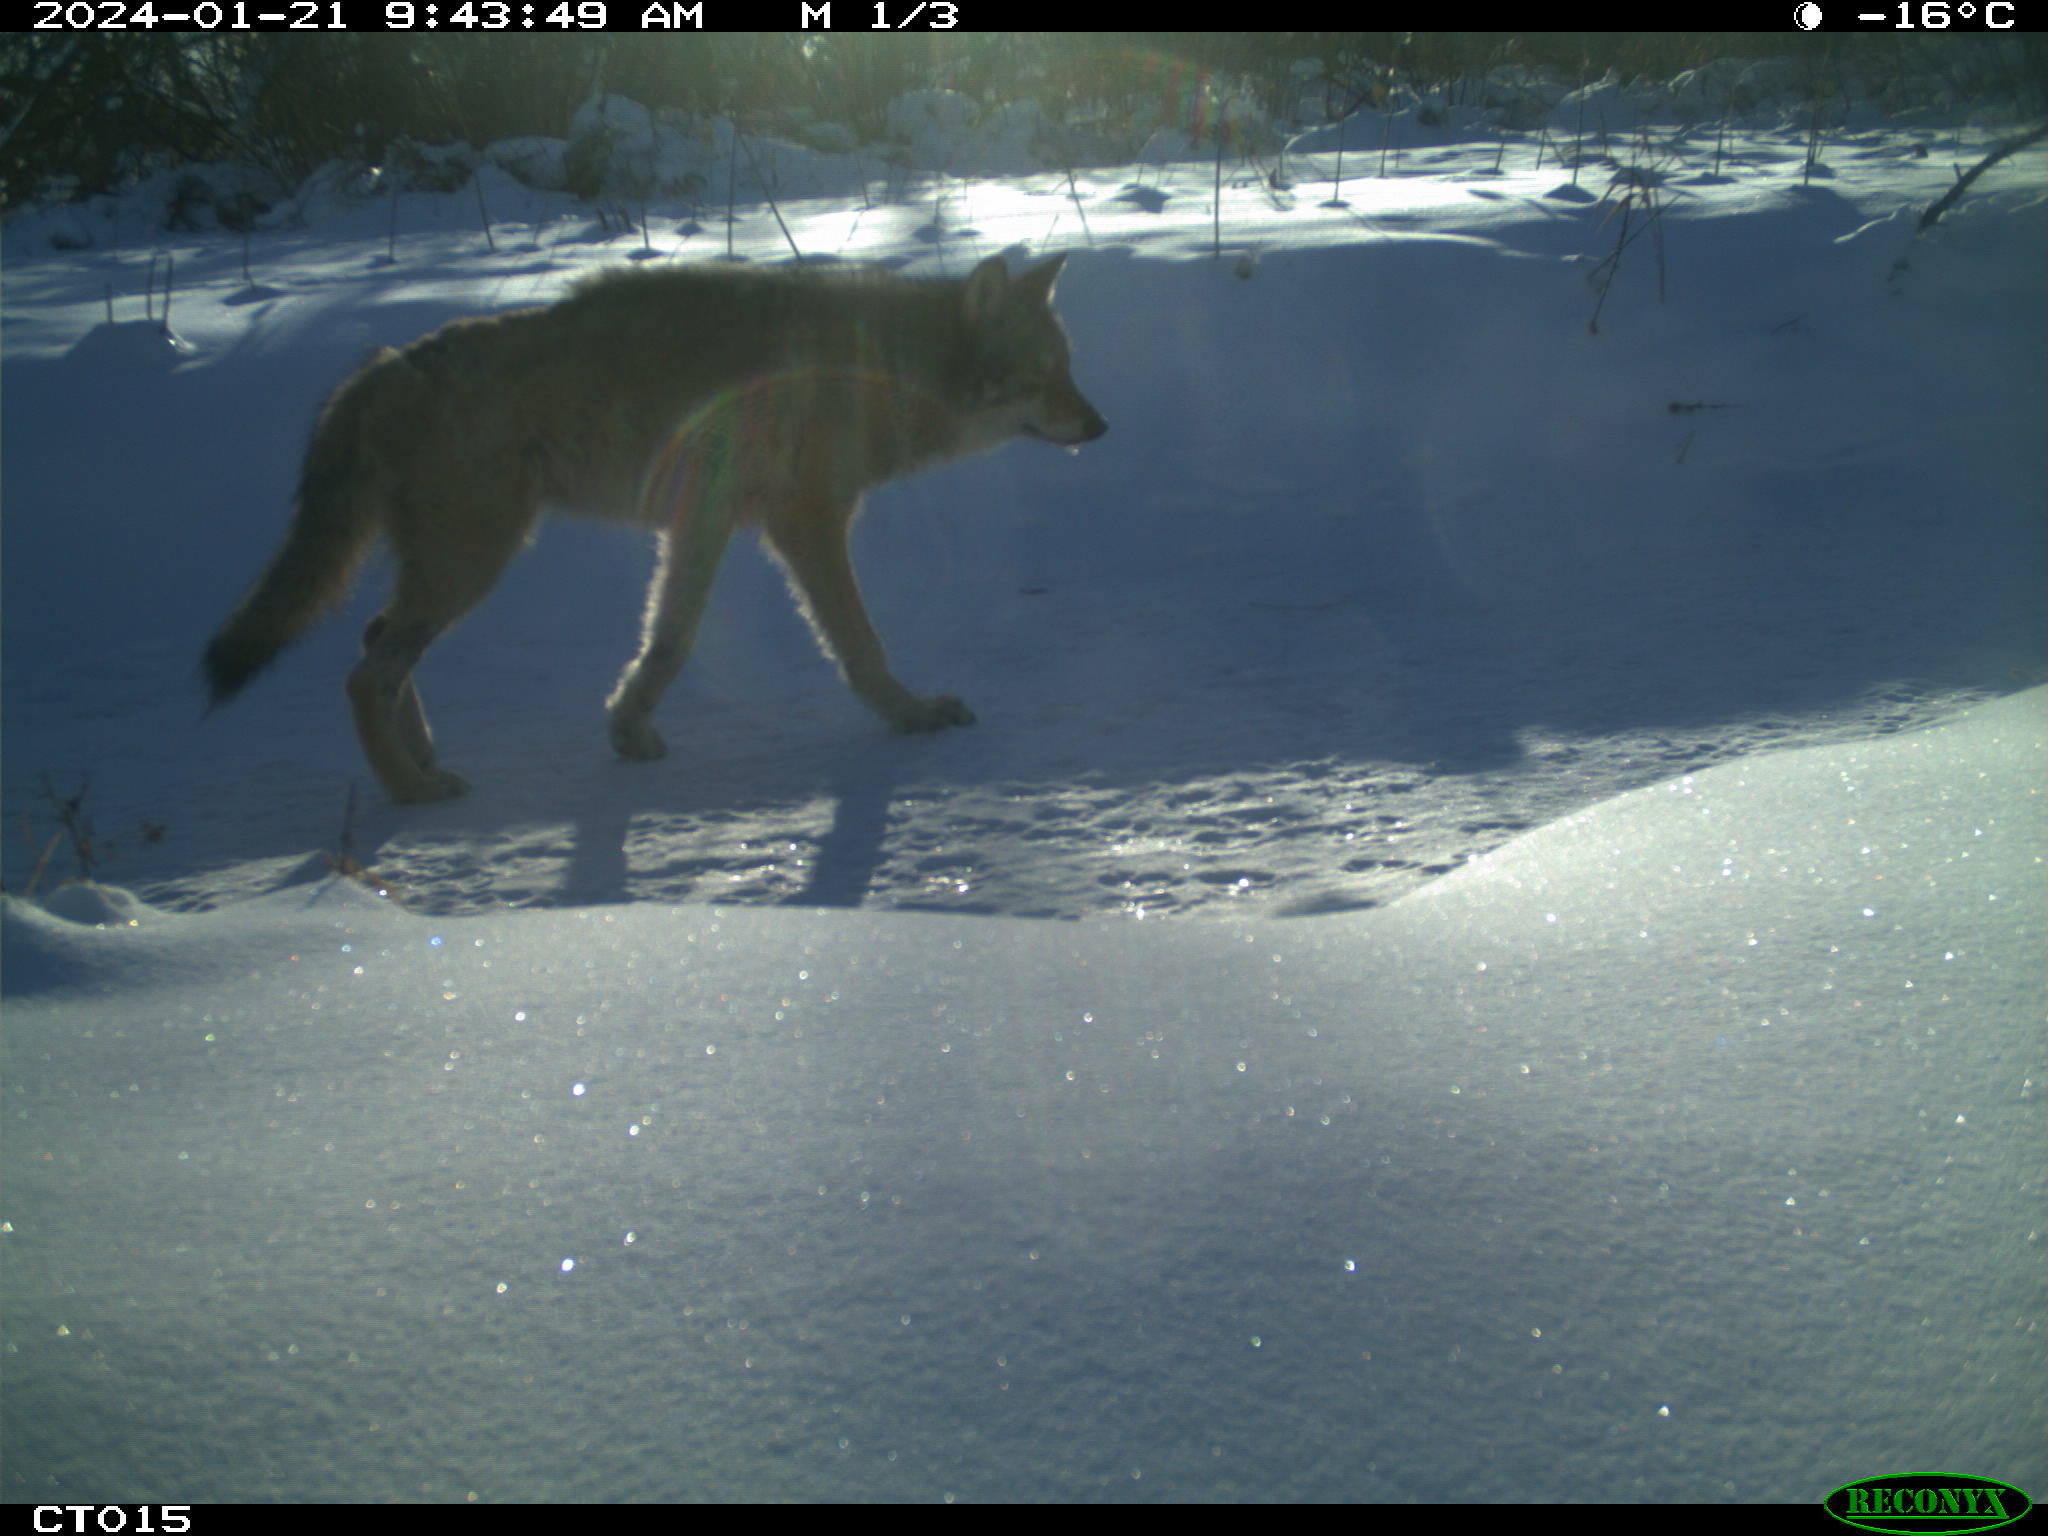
x: 334, y: 523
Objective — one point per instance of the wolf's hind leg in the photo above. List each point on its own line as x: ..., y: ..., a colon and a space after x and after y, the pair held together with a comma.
x: 390, y: 723
x: 408, y: 716
x: 446, y: 565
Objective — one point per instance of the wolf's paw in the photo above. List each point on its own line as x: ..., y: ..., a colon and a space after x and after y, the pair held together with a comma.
x: 930, y: 713
x: 637, y: 741
x: 433, y: 784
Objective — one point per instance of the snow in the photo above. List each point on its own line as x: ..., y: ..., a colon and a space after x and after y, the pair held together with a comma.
x: 1661, y: 1122
x: 1687, y: 1149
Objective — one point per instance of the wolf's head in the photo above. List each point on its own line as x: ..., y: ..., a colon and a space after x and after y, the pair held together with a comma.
x: 1022, y: 383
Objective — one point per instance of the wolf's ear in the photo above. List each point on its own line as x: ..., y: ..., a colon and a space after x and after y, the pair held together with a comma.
x: 1035, y: 283
x: 988, y: 288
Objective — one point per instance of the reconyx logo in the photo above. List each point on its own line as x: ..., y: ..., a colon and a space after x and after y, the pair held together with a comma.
x: 1939, y: 1503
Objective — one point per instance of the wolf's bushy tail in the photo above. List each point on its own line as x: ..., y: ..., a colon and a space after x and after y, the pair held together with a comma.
x: 334, y: 523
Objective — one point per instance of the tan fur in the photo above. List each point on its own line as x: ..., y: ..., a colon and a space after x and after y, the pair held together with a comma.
x: 692, y: 400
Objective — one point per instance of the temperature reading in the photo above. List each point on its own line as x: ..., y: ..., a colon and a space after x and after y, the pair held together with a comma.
x: 1939, y: 15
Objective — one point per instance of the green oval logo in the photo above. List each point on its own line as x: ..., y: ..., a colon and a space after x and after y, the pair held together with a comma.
x: 1937, y: 1503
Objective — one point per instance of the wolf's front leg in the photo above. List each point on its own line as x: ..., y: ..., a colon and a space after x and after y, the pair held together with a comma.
x: 811, y: 543
x: 690, y: 555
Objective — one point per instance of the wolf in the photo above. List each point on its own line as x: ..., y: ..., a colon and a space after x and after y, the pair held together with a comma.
x: 692, y: 400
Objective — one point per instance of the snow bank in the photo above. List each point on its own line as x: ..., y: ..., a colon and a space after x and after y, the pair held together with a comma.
x: 1686, y: 1149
